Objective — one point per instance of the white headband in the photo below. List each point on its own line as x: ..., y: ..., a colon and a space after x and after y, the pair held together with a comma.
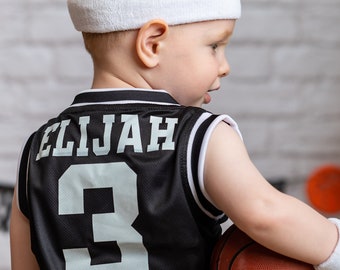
x: 101, y: 16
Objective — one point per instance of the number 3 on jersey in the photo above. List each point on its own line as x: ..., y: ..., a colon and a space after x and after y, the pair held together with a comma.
x: 108, y: 226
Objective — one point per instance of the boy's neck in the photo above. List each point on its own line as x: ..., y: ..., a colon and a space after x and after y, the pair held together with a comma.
x: 107, y: 80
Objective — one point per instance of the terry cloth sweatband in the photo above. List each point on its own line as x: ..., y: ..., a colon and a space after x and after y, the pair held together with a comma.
x: 333, y: 262
x: 102, y: 16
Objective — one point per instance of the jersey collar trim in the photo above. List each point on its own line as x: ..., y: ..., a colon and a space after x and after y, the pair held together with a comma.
x: 123, y: 96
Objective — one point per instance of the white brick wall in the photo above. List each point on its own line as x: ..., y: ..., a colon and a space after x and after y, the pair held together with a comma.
x: 283, y: 89
x: 42, y: 66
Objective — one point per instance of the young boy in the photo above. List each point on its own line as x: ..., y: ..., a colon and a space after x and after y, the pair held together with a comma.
x: 134, y: 174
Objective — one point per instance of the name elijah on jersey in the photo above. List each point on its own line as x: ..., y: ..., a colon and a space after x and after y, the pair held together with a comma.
x: 130, y: 135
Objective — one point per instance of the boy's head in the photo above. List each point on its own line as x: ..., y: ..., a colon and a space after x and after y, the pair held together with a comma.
x: 102, y: 16
x: 146, y: 44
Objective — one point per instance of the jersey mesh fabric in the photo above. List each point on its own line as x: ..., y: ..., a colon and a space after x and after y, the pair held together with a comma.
x: 93, y: 203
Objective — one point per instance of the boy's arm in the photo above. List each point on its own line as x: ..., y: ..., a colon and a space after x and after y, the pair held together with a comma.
x: 21, y: 253
x: 275, y: 220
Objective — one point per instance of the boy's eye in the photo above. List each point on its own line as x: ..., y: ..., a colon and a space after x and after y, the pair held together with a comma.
x: 214, y: 46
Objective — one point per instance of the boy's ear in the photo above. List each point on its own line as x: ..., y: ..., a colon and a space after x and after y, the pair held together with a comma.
x: 149, y: 41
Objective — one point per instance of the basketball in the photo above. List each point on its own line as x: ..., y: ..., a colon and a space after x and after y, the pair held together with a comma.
x: 323, y: 189
x: 237, y: 251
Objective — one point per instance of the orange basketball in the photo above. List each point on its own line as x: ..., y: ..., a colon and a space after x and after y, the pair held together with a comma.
x: 323, y: 189
x: 236, y: 251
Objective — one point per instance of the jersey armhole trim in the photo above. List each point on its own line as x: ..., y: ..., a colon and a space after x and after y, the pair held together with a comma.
x: 22, y: 178
x: 227, y: 119
x: 191, y: 182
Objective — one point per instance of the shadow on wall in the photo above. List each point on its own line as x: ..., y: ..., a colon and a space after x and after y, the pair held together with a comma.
x: 6, y: 195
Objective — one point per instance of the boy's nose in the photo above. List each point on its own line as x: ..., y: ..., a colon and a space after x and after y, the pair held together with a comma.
x: 224, y: 68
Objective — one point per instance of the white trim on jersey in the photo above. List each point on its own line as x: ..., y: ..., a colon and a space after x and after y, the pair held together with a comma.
x: 18, y: 173
x: 122, y: 102
x: 201, y: 161
x: 122, y: 89
x: 129, y: 101
x: 198, y: 123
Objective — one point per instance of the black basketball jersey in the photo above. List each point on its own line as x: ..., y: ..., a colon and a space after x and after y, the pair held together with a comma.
x: 116, y: 182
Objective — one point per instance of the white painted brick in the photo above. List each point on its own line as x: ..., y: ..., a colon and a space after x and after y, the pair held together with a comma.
x: 12, y: 22
x: 73, y: 62
x: 60, y: 2
x: 255, y: 134
x: 320, y: 99
x: 14, y: 135
x: 320, y: 22
x: 307, y: 136
x: 317, y: 2
x: 50, y: 24
x: 269, y: 23
x: 285, y: 3
x: 257, y: 58
x: 25, y: 62
x: 307, y: 62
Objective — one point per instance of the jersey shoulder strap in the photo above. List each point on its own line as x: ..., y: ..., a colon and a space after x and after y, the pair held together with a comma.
x: 22, y: 178
x: 197, y: 148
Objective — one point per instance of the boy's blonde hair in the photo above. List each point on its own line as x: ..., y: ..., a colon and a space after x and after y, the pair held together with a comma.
x: 98, y: 43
